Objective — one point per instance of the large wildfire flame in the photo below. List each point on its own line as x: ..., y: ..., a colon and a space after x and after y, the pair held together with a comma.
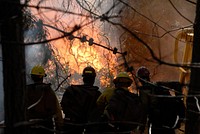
x: 75, y: 55
x: 71, y: 56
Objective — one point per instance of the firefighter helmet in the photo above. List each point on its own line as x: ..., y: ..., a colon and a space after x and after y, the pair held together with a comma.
x: 122, y: 77
x: 89, y: 72
x: 143, y: 72
x: 38, y: 70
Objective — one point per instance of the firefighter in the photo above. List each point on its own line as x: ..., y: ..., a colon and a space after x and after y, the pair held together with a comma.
x: 42, y: 104
x: 79, y: 103
x: 121, y: 80
x: 145, y: 90
x: 120, y: 105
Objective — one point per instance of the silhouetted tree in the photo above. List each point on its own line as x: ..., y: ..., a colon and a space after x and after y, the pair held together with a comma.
x: 13, y: 64
x: 193, y: 118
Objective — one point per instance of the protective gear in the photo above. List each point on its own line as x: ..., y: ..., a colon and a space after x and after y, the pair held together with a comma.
x: 122, y: 77
x: 42, y: 104
x: 143, y: 73
x: 89, y: 72
x: 38, y: 70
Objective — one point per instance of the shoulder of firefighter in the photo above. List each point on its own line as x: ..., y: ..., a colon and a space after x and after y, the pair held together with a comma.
x: 42, y: 103
x: 104, y: 98
x: 80, y: 88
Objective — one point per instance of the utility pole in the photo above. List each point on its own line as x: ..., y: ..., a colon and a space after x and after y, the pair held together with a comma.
x: 193, y: 111
x: 13, y: 53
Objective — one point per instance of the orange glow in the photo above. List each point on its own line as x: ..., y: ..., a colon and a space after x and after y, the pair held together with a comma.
x: 76, y: 55
x: 71, y: 56
x: 79, y: 55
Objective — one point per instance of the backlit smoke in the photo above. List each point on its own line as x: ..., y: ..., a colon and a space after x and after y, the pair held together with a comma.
x: 37, y: 54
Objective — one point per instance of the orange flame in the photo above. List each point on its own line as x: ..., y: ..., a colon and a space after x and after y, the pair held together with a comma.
x: 75, y: 56
x: 70, y: 57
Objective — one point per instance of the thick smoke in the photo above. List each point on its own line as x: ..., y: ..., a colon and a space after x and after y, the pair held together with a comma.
x: 36, y: 54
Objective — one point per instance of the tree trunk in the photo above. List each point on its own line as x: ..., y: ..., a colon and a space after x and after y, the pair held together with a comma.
x: 193, y: 116
x: 13, y: 64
